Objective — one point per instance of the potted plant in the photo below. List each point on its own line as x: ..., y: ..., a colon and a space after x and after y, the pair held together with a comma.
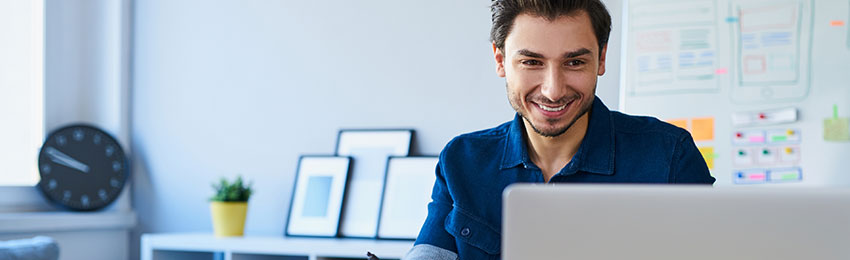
x: 229, y: 207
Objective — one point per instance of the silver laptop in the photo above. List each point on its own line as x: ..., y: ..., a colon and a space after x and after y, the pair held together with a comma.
x: 674, y: 222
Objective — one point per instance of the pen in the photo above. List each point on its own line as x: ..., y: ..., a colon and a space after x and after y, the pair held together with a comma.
x: 372, y: 256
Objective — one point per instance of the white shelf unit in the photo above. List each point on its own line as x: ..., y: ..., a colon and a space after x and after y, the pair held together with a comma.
x: 209, y: 247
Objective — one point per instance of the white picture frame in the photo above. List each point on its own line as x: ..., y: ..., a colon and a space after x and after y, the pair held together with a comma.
x: 369, y: 150
x: 407, y: 192
x: 317, y: 196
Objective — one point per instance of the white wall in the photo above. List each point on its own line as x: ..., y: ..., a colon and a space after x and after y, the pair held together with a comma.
x: 230, y: 87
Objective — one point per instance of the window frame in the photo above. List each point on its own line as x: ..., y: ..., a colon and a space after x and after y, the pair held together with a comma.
x: 65, y: 98
x: 36, y: 78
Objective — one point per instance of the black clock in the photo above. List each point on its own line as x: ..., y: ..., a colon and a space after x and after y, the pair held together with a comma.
x: 82, y: 168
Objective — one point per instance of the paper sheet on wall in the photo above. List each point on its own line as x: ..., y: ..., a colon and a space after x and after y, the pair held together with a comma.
x: 772, y: 50
x: 667, y: 57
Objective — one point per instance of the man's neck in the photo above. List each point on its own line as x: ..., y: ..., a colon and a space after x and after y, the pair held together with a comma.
x: 551, y: 154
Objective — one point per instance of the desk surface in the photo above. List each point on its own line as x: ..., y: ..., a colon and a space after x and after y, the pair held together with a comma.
x: 274, y: 245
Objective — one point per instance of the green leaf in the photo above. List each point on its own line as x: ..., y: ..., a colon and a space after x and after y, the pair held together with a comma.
x: 235, y: 191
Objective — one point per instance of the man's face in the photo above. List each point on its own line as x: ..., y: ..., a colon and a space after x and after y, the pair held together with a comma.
x: 550, y: 68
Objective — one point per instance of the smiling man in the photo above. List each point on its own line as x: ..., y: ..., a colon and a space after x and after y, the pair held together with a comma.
x: 550, y: 54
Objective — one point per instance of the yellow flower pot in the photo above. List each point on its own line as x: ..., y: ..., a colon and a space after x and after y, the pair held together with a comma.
x: 228, y: 218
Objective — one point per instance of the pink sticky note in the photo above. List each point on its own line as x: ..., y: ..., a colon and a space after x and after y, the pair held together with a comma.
x: 721, y: 71
x: 756, y: 139
x: 758, y: 177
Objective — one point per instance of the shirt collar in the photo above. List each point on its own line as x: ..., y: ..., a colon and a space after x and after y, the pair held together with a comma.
x: 595, y: 154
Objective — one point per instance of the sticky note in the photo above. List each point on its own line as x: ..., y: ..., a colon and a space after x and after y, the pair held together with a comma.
x: 751, y: 176
x: 721, y: 71
x: 836, y: 23
x: 784, y: 175
x: 731, y: 19
x: 757, y: 177
x: 779, y: 138
x: 708, y: 154
x: 681, y: 123
x: 836, y: 129
x: 702, y: 129
x: 757, y: 139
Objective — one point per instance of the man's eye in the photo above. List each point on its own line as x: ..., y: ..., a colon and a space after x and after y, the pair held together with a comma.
x: 532, y: 62
x: 574, y: 63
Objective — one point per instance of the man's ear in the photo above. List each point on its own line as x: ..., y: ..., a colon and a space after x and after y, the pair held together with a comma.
x: 500, y: 61
x: 602, y: 54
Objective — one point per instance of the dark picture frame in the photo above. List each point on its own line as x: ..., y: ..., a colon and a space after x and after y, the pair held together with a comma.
x: 318, y: 195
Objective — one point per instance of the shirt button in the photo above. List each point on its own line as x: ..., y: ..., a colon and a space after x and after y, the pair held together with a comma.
x: 464, y: 232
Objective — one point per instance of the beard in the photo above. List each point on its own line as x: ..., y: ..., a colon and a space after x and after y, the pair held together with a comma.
x: 516, y: 102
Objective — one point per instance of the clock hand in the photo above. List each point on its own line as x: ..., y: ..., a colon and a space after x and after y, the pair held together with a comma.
x: 63, y: 159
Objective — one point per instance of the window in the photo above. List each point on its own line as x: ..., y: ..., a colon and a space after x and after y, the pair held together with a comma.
x: 21, y: 90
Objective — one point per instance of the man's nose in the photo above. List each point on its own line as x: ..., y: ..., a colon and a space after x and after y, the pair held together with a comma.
x: 554, y: 84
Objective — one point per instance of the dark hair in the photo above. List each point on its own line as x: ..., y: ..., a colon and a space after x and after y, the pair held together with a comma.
x: 505, y: 11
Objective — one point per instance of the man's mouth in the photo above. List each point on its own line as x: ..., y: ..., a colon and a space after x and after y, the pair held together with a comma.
x: 552, y: 108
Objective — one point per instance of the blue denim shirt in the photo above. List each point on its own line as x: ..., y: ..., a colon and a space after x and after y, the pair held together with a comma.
x: 465, y: 215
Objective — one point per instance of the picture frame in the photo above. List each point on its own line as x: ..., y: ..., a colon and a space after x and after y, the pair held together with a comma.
x: 407, y: 192
x: 318, y: 196
x: 369, y: 150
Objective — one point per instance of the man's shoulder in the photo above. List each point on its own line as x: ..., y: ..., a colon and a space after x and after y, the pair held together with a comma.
x: 633, y: 124
x: 490, y: 133
x: 481, y: 139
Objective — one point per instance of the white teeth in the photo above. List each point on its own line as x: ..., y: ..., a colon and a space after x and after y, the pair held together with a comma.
x: 552, y: 109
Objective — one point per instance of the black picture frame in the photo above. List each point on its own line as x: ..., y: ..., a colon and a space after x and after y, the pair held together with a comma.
x: 330, y: 227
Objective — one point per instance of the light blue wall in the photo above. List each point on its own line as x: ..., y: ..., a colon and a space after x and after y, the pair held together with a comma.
x: 232, y: 86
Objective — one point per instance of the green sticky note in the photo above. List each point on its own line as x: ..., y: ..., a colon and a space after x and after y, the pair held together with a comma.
x: 790, y: 176
x: 836, y: 129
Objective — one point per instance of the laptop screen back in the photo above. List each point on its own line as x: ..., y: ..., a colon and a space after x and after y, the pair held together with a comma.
x: 667, y: 222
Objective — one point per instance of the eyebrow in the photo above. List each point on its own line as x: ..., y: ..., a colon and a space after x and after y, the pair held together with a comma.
x: 568, y: 55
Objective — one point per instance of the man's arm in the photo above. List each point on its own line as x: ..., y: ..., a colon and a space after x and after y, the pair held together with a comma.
x: 433, y: 241
x: 688, y: 165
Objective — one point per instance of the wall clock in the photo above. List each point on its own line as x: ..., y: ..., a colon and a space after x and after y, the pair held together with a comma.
x: 82, y: 168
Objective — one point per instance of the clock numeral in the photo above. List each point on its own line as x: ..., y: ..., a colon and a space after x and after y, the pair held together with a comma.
x: 52, y: 184
x: 102, y: 194
x: 85, y: 200
x: 110, y: 151
x: 116, y: 166
x: 66, y: 195
x: 114, y: 182
x: 96, y: 139
x: 61, y: 140
x: 79, y: 135
x: 46, y: 169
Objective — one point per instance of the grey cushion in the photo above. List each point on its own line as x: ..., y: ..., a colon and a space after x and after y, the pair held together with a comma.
x: 37, y: 248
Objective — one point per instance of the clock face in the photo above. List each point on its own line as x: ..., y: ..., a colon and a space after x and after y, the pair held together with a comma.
x: 82, y: 168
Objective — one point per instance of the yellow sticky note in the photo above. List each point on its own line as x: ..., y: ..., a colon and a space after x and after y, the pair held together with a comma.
x: 708, y: 154
x: 836, y: 129
x: 702, y: 129
x: 681, y: 123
